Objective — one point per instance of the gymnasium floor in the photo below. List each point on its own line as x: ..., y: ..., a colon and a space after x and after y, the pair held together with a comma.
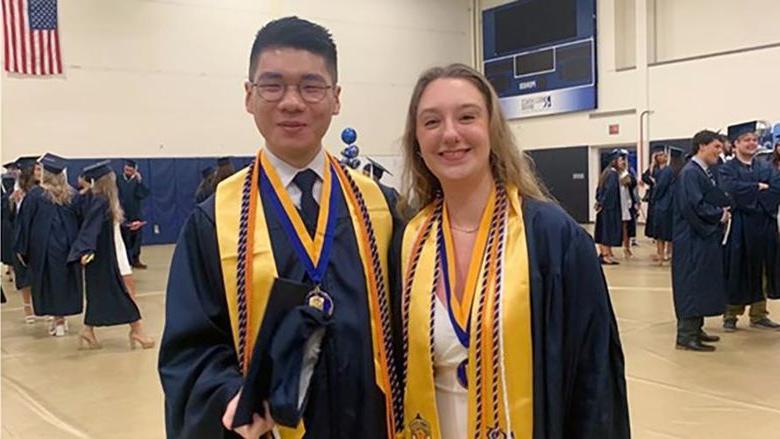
x: 52, y: 390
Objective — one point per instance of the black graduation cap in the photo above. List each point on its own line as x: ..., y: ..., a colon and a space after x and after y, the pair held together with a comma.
x: 205, y: 172
x: 10, y: 165
x: 293, y: 319
x: 223, y: 161
x: 130, y: 162
x: 53, y: 163
x: 377, y: 170
x: 26, y: 162
x: 659, y: 147
x: 755, y: 126
x: 615, y: 153
x: 97, y: 170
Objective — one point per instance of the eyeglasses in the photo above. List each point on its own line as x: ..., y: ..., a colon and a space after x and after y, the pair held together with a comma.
x: 310, y: 92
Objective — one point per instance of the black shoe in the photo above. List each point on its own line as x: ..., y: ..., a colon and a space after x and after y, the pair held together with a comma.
x: 704, y: 337
x: 694, y: 345
x: 765, y: 323
x: 140, y: 265
x: 730, y: 325
x: 602, y: 260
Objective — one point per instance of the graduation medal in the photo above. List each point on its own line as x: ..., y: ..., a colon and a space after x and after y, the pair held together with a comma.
x: 313, y: 252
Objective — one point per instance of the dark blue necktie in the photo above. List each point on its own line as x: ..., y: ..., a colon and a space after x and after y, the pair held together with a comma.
x: 309, y: 208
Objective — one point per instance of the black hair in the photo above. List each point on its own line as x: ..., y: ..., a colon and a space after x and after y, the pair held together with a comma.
x: 296, y: 33
x: 705, y: 137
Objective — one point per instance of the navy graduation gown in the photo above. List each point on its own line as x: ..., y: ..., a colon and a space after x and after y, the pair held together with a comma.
x: 46, y: 232
x: 746, y: 250
x: 578, y: 366
x: 771, y: 201
x: 697, y: 261
x: 663, y: 208
x: 198, y: 365
x: 632, y: 191
x: 649, y: 179
x: 21, y: 273
x: 108, y: 301
x: 7, y: 231
x: 131, y: 195
x: 609, y: 221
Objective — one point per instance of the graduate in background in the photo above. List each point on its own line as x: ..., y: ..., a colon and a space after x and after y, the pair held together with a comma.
x: 697, y: 265
x: 28, y: 179
x: 648, y: 178
x: 132, y: 192
x: 755, y: 187
x: 302, y: 203
x: 609, y: 216
x: 99, y: 250
x: 663, y: 207
x: 48, y: 224
x: 206, y: 187
x: 629, y: 205
x: 209, y: 183
x: 502, y: 289
x: 7, y: 252
x: 773, y: 251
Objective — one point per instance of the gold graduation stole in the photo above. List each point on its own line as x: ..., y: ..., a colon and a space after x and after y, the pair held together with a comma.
x: 249, y: 268
x: 499, y: 370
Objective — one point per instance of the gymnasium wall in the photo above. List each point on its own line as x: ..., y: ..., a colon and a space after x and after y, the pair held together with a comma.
x: 164, y: 78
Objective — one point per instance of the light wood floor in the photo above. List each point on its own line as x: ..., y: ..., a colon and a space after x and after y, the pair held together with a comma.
x: 52, y: 390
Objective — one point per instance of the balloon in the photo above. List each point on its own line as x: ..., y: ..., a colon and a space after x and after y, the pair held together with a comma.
x: 349, y: 136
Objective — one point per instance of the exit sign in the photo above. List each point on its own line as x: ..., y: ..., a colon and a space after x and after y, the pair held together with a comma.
x: 614, y: 129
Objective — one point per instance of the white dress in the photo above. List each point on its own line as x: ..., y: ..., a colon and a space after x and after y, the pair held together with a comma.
x: 121, y: 252
x: 625, y: 202
x: 451, y: 397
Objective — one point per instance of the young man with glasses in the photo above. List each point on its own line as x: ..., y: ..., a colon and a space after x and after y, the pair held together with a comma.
x: 296, y: 221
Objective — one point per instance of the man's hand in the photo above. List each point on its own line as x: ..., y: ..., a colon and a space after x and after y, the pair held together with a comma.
x: 137, y: 175
x: 259, y: 426
x: 87, y: 258
x: 726, y: 216
x: 762, y: 186
x: 16, y: 195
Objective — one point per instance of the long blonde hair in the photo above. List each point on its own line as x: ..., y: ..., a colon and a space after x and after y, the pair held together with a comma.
x: 105, y: 186
x: 508, y: 164
x: 56, y: 187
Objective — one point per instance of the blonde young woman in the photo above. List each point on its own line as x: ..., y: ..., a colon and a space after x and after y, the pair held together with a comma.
x: 506, y: 324
x: 48, y: 224
x: 104, y: 266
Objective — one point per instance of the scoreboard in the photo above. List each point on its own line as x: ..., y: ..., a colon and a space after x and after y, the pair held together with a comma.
x: 540, y: 56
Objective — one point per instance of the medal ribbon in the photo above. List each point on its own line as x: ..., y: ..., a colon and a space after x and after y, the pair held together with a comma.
x: 314, y: 252
x: 459, y: 310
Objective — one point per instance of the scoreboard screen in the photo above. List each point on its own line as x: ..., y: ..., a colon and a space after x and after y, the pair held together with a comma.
x: 540, y: 56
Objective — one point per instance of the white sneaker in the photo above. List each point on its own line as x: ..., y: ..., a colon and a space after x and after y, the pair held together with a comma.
x: 60, y: 330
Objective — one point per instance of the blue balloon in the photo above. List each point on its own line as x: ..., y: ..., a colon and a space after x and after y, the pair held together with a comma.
x: 351, y: 151
x: 348, y: 136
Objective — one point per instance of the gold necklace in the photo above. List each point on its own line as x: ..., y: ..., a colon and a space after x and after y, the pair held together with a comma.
x: 474, y: 230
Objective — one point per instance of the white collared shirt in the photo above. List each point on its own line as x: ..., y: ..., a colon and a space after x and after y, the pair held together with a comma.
x: 700, y: 162
x: 287, y: 172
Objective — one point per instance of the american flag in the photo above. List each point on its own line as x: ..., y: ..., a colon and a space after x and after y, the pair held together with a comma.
x: 32, y: 43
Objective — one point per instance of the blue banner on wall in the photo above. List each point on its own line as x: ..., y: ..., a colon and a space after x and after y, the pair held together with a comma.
x: 172, y: 182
